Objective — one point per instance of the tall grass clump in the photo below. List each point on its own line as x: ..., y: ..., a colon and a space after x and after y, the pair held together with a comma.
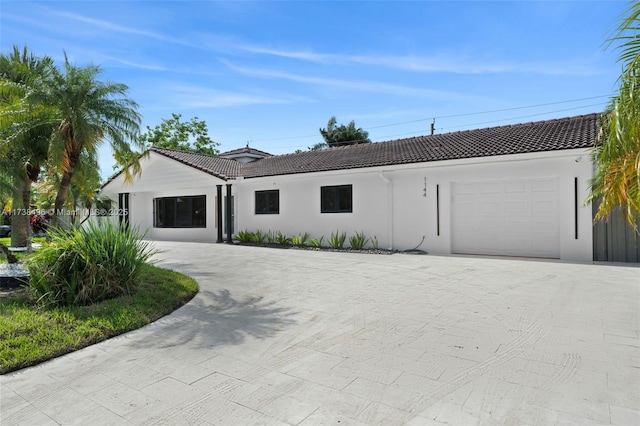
x: 337, y: 239
x: 259, y: 237
x: 86, y: 265
x: 282, y: 239
x: 317, y: 243
x: 300, y: 240
x: 358, y: 241
x: 244, y: 236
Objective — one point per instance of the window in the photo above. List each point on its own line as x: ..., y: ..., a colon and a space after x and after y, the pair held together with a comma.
x: 336, y: 199
x: 268, y: 202
x: 180, y: 212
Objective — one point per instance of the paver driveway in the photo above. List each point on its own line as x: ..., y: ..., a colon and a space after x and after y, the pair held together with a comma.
x: 301, y: 337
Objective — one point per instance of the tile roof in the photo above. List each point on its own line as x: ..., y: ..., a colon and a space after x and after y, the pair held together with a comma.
x: 245, y: 150
x: 223, y: 168
x: 540, y: 136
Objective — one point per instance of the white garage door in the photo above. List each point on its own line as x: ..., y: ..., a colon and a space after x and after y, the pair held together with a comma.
x: 511, y: 218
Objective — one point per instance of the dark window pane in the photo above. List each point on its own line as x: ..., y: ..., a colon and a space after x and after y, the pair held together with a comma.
x: 261, y: 203
x: 180, y: 212
x: 199, y: 216
x: 268, y: 202
x: 328, y: 199
x: 344, y: 200
x: 183, y: 212
x: 336, y: 199
x: 169, y: 212
x: 274, y: 202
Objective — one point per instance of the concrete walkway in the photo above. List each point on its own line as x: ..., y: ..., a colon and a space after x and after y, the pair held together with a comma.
x: 279, y: 337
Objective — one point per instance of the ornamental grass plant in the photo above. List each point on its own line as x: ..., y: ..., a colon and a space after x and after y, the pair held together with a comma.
x: 86, y: 265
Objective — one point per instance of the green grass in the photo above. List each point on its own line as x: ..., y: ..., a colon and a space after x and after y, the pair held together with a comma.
x: 30, y: 334
x: 21, y: 255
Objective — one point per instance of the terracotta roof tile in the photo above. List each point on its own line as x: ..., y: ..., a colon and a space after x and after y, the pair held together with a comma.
x: 245, y: 150
x: 223, y: 168
x: 549, y: 135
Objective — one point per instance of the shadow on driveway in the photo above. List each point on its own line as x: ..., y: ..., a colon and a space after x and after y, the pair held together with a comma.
x: 215, y: 318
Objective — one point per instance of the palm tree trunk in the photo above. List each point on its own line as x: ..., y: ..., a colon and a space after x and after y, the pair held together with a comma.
x: 20, y: 217
x: 61, y: 196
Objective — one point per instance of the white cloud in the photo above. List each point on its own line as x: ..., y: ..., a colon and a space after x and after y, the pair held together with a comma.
x: 452, y: 63
x: 361, y: 85
x: 200, y: 97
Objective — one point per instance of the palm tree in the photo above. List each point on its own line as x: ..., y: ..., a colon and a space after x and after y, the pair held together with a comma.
x: 90, y: 111
x: 343, y: 135
x: 24, y: 132
x: 82, y: 193
x: 616, y: 183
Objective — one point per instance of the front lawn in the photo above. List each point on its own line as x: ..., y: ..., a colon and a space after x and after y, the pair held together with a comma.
x: 30, y: 334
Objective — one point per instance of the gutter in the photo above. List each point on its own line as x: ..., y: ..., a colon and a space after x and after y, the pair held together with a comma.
x: 389, y: 208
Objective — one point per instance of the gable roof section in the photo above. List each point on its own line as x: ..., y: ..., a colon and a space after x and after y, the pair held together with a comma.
x: 541, y: 136
x: 222, y: 168
x: 252, y: 152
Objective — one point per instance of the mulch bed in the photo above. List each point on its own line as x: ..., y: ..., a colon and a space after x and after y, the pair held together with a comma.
x: 344, y: 250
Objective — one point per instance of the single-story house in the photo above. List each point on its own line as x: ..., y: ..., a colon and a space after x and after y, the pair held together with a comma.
x: 515, y: 190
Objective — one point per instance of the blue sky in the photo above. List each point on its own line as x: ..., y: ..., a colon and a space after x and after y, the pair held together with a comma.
x: 272, y: 73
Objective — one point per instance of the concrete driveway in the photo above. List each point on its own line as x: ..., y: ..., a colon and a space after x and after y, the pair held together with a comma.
x: 308, y: 338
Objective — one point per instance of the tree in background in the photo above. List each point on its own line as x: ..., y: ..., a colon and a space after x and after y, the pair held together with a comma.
x: 318, y: 147
x: 616, y: 183
x: 25, y: 131
x: 343, y: 135
x: 190, y: 136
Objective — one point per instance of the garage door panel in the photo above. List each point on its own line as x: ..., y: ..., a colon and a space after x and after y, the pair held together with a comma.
x: 518, y: 207
x: 544, y: 185
x: 491, y: 188
x: 466, y: 188
x: 515, y: 218
x: 489, y: 208
x: 516, y: 187
x: 545, y: 208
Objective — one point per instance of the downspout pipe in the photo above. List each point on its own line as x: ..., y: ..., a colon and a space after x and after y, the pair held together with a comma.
x: 389, y: 209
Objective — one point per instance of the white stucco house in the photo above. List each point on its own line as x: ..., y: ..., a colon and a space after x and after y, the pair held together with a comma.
x: 514, y: 190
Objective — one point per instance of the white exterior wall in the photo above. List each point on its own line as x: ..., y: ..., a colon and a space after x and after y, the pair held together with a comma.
x: 300, y: 205
x: 561, y: 165
x: 390, y: 203
x: 163, y: 177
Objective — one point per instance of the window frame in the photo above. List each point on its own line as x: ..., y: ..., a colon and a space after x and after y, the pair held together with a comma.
x: 268, y: 194
x: 337, y: 198
x: 180, y: 220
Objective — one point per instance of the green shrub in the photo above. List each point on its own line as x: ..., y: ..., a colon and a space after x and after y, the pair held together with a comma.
x: 86, y: 265
x: 337, y: 240
x: 259, y: 237
x: 244, y: 237
x: 374, y: 242
x: 317, y: 243
x: 300, y: 240
x: 282, y: 239
x: 272, y: 237
x: 358, y: 241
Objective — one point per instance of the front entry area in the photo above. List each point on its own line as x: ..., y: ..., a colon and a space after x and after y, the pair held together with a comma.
x: 507, y: 218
